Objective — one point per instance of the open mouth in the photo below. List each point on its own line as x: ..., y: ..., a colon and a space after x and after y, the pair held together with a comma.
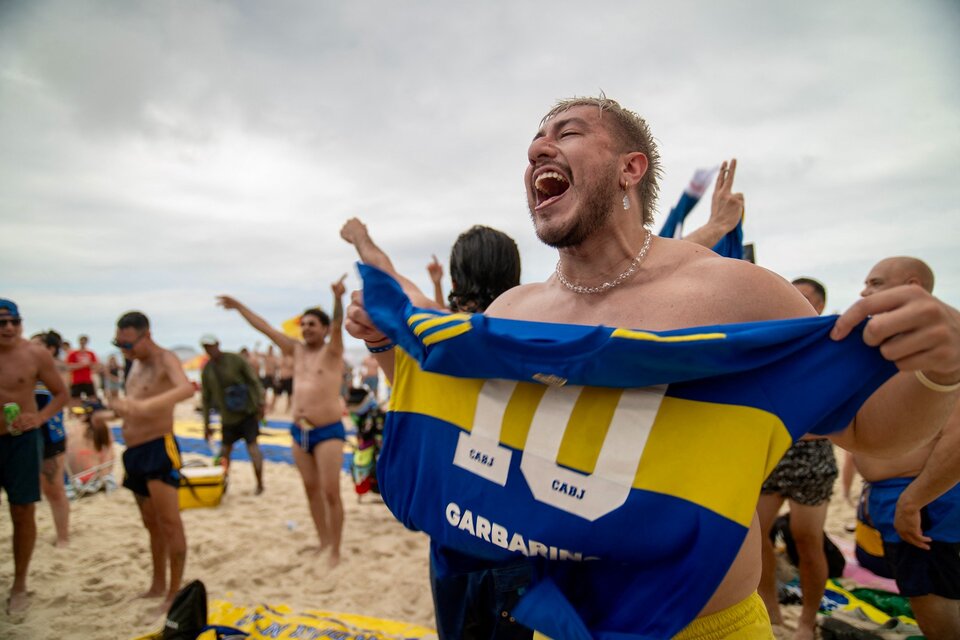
x: 549, y: 186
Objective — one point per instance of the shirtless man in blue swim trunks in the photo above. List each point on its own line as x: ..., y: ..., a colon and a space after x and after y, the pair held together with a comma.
x: 22, y: 365
x: 914, y: 498
x: 317, y: 430
x: 155, y: 385
x: 591, y: 182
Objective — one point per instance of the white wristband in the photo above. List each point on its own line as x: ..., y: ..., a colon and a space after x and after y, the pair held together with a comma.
x: 933, y: 386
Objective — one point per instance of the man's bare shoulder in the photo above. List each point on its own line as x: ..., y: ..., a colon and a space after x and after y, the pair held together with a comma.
x: 25, y: 353
x: 513, y: 303
x: 681, y: 285
x: 725, y: 289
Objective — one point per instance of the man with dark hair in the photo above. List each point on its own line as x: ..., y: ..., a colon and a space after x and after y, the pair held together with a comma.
x: 317, y: 430
x: 591, y: 182
x: 484, y: 263
x: 231, y: 386
x: 804, y: 477
x: 81, y: 363
x: 152, y: 458
x: 813, y: 291
x: 914, y: 498
x: 21, y: 443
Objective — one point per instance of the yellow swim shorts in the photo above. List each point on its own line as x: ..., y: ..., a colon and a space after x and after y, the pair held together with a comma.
x: 746, y: 620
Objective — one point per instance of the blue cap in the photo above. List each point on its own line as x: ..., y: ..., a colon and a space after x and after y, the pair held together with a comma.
x: 10, y: 307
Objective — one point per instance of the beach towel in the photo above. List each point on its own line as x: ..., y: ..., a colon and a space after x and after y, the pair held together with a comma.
x: 280, y: 622
x: 623, y: 464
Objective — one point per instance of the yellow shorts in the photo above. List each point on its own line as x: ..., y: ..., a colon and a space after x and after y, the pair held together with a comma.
x: 746, y: 620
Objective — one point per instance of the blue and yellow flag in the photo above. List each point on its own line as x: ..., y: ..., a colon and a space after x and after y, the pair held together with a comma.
x: 625, y: 465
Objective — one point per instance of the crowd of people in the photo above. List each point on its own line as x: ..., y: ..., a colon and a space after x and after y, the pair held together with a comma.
x: 592, y: 183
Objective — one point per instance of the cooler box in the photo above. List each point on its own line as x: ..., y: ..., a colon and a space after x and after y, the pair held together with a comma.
x: 201, y: 486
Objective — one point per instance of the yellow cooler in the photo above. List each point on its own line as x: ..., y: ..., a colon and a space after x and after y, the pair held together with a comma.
x: 201, y: 486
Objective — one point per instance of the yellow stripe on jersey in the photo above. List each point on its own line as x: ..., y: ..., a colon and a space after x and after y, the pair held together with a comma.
x: 630, y: 334
x: 423, y: 322
x: 453, y: 400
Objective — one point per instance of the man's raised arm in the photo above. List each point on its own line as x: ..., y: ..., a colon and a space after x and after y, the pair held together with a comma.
x: 355, y: 232
x: 360, y: 326
x: 336, y: 321
x: 726, y: 209
x: 435, y: 269
x: 285, y: 343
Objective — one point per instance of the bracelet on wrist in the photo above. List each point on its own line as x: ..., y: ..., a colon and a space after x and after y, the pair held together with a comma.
x: 933, y: 386
x: 381, y: 349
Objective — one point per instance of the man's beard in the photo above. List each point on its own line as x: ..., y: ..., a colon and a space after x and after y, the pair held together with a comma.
x: 592, y: 216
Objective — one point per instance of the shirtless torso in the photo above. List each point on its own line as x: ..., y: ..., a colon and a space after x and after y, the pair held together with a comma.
x: 316, y: 392
x: 286, y: 366
x: 21, y: 366
x: 269, y: 360
x: 144, y: 418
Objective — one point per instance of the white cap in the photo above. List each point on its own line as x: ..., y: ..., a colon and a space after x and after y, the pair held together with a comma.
x: 208, y: 340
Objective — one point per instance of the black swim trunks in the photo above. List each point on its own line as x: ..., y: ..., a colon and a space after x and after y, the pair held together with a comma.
x: 80, y: 388
x: 20, y: 458
x: 247, y: 429
x: 54, y: 439
x: 155, y: 460
x: 805, y: 474
x: 285, y: 386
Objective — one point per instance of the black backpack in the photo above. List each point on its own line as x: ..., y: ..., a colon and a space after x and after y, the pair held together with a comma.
x: 188, y: 613
x: 835, y: 560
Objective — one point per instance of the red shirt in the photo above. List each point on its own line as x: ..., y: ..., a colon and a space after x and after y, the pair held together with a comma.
x: 83, y: 374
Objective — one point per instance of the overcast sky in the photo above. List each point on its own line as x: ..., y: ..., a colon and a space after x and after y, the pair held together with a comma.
x: 156, y: 154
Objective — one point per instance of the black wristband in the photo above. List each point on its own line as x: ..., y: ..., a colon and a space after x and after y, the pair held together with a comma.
x: 382, y: 349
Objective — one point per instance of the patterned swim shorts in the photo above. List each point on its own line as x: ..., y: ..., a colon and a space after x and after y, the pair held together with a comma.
x: 805, y: 474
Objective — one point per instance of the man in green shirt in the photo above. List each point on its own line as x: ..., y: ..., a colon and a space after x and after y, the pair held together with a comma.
x: 233, y: 389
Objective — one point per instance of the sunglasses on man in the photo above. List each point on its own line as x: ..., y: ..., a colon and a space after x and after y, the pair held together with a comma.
x: 126, y: 346
x: 16, y: 322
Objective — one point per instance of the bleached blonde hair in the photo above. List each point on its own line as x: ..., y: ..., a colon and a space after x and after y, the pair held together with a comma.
x: 633, y: 134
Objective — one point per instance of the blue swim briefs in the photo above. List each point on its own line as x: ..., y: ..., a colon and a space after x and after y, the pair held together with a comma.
x: 308, y: 438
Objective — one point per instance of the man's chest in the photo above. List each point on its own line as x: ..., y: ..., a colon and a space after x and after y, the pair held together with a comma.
x: 145, y: 382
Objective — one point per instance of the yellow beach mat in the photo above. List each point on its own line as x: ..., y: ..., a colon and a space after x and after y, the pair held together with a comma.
x: 280, y: 622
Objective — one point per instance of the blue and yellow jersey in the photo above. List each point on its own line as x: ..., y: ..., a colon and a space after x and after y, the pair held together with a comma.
x: 54, y: 425
x: 624, y: 464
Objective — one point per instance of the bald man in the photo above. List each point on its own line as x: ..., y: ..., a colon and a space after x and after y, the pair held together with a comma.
x: 914, y: 499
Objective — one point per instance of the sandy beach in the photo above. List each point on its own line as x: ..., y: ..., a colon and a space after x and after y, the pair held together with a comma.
x: 249, y: 550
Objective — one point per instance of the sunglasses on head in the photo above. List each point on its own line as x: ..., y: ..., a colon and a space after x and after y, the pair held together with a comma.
x: 126, y: 346
x: 16, y: 322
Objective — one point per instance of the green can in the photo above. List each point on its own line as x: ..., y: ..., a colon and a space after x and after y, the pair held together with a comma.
x: 11, y: 411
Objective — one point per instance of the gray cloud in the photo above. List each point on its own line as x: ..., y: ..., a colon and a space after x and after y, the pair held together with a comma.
x: 156, y: 154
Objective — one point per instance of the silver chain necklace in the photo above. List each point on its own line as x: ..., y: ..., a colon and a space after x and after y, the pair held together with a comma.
x: 606, y: 286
